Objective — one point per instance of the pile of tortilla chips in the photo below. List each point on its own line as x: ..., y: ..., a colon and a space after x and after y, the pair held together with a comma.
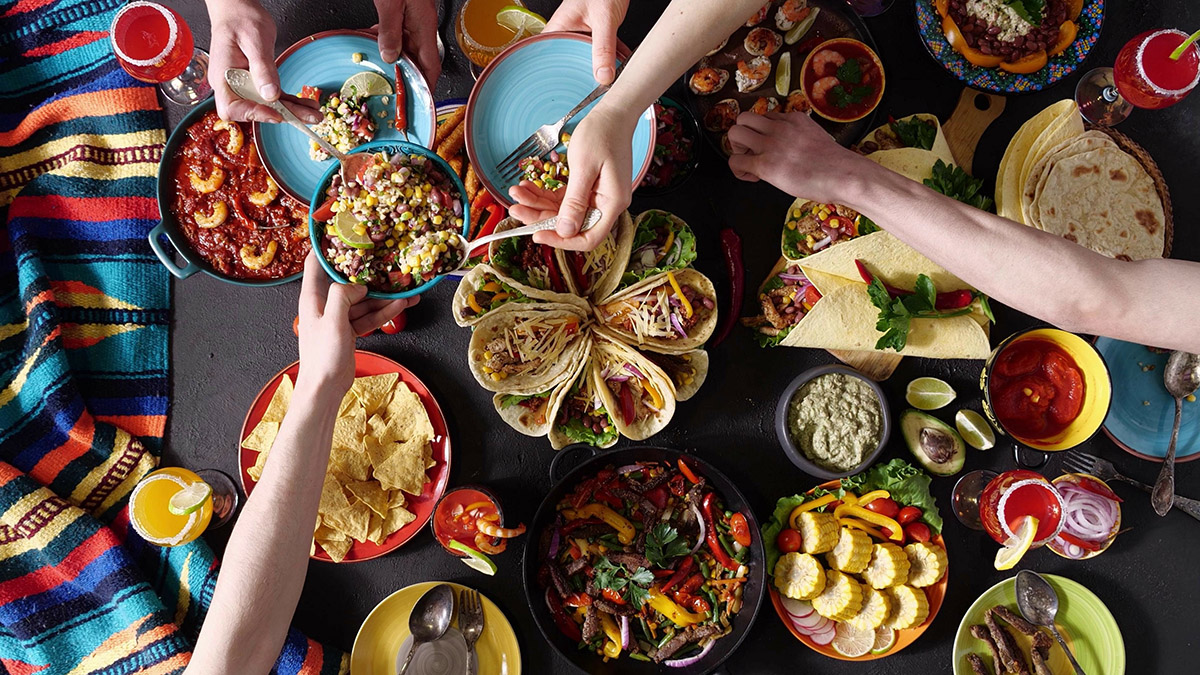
x: 381, y: 450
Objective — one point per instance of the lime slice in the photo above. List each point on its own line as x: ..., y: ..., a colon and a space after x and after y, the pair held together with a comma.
x: 852, y: 642
x: 520, y: 20
x: 928, y: 393
x: 793, y: 36
x: 974, y: 429
x: 885, y: 639
x: 783, y: 74
x: 366, y: 83
x: 474, y: 559
x: 1017, y: 546
x: 347, y: 228
x: 189, y: 500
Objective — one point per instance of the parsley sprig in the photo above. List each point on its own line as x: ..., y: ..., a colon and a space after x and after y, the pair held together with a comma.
x: 955, y: 183
x: 1032, y: 11
x: 634, y: 585
x: 663, y: 544
x: 915, y: 133
x: 896, y: 314
x: 850, y: 89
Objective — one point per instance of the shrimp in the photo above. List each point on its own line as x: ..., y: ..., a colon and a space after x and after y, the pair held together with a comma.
x: 234, y: 145
x: 266, y: 196
x: 759, y: 16
x: 707, y: 81
x: 764, y: 105
x: 752, y: 74
x: 206, y: 185
x: 491, y: 529
x: 484, y: 543
x: 254, y: 260
x: 219, y: 213
x: 790, y: 13
x: 821, y: 88
x: 796, y: 102
x: 826, y: 62
x: 763, y: 42
x: 722, y: 116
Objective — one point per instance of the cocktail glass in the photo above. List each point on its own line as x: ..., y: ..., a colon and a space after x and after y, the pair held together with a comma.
x: 1153, y: 70
x: 1013, y: 495
x: 154, y: 44
x: 154, y: 521
x: 479, y: 35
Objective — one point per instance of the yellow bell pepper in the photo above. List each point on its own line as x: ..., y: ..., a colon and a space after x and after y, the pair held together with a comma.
x: 490, y: 287
x: 474, y: 304
x: 666, y: 247
x: 655, y: 396
x: 667, y: 607
x: 808, y: 506
x: 612, y: 648
x: 687, y: 306
x: 872, y: 496
x: 625, y: 530
x: 860, y: 525
x: 897, y: 534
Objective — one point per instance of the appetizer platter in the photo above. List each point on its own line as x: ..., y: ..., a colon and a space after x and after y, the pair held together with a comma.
x: 813, y: 56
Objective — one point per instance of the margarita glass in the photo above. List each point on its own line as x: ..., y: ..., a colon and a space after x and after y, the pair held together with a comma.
x: 154, y: 44
x: 1153, y: 70
x: 1014, y: 495
x: 156, y: 516
x: 480, y: 36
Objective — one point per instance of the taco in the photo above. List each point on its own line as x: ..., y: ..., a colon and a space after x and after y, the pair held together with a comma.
x: 784, y: 298
x: 532, y: 414
x: 595, y: 274
x: 687, y: 370
x: 637, y: 393
x: 527, y: 350
x: 915, y: 132
x: 811, y: 227
x: 674, y: 312
x: 661, y: 242
x: 527, y: 262
x: 582, y: 415
x: 483, y: 290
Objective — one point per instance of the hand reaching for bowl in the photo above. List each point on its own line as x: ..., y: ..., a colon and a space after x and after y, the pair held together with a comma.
x: 600, y: 18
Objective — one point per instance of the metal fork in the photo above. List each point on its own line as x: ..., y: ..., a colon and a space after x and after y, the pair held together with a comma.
x: 545, y: 138
x: 1081, y: 462
x: 470, y: 623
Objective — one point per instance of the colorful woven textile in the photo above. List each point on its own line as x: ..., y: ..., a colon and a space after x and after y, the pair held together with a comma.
x: 84, y: 311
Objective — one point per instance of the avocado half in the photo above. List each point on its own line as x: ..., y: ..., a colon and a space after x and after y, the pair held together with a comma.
x: 935, y: 444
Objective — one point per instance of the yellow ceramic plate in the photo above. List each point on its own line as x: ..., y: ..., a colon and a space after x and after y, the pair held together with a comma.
x: 386, y: 627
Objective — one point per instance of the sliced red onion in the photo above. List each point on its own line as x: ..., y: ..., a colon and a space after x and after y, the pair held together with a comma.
x: 618, y: 378
x: 555, y: 540
x: 703, y: 529
x: 629, y: 468
x: 793, y: 278
x: 633, y: 369
x: 626, y: 634
x: 1087, y: 515
x: 695, y: 658
x: 831, y: 232
x: 675, y: 323
x: 821, y: 244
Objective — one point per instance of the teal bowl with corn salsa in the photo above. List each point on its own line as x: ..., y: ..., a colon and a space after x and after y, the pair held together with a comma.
x: 317, y: 229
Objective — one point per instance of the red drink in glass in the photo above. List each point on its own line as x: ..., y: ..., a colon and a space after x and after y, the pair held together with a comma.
x: 152, y: 42
x: 1148, y: 77
x: 1013, y: 495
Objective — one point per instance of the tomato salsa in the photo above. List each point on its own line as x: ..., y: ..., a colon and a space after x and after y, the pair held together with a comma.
x: 1036, y: 389
x: 456, y: 515
x: 843, y: 80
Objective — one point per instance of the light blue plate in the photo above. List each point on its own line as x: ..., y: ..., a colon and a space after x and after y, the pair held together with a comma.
x: 1141, y: 429
x: 324, y: 60
x: 535, y: 82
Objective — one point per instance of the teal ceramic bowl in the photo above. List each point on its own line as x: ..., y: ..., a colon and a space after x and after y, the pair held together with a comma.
x: 391, y: 147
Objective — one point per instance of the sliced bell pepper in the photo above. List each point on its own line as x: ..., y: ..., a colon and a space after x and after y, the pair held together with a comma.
x: 561, y: 619
x: 496, y: 214
x: 1066, y: 35
x: 324, y: 212
x: 687, y: 306
x: 942, y: 7
x: 1081, y: 543
x: 680, y: 574
x: 655, y: 396
x: 625, y: 530
x: 872, y: 496
x: 579, y: 599
x: 1030, y: 64
x: 667, y: 607
x: 612, y: 596
x: 808, y: 506
x: 1074, y: 9
x: 975, y: 57
x: 896, y: 533
x: 860, y: 525
x: 687, y: 471
x: 711, y: 538
x: 666, y: 247
x: 626, y: 403
x: 556, y: 282
x: 612, y: 648
x: 474, y: 304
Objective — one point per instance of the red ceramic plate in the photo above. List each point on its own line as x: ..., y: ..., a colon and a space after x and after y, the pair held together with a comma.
x: 365, y: 364
x: 935, y: 594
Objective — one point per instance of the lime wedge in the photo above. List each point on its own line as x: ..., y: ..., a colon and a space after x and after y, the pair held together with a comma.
x: 1017, y: 546
x: 520, y: 20
x: 474, y: 559
x: 189, y: 500
x: 783, y: 74
x: 885, y: 639
x: 366, y: 83
x: 929, y: 393
x: 347, y: 228
x: 974, y: 429
x: 793, y: 36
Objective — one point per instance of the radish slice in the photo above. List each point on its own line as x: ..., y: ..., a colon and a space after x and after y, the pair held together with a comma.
x: 811, y: 621
x: 825, y: 638
x: 797, y: 608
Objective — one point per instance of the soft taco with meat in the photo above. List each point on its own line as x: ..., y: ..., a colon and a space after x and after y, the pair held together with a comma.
x: 527, y: 350
x: 637, y: 393
x: 527, y: 262
x: 812, y: 227
x: 595, y: 274
x: 783, y: 300
x: 533, y: 414
x: 484, y: 290
x: 910, y: 146
x: 687, y: 370
x: 661, y: 242
x: 673, y: 312
x: 582, y: 416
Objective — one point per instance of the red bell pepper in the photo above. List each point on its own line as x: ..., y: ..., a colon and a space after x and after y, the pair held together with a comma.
x: 580, y: 599
x: 495, y: 214
x: 626, y: 405
x: 680, y: 574
x: 576, y: 524
x: 324, y: 212
x: 710, y: 538
x: 556, y: 282
x: 605, y: 497
x: 687, y: 471
x: 1081, y: 543
x: 612, y: 596
x: 731, y: 247
x: 561, y: 619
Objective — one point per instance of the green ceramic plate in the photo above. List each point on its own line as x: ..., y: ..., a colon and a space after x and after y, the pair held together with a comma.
x: 1086, y: 625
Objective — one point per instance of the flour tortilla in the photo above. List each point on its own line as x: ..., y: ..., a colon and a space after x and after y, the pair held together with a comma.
x: 680, y: 367
x: 912, y: 163
x: 1089, y: 140
x: 610, y: 258
x: 525, y: 420
x: 940, y: 149
x: 589, y: 377
x: 1008, y: 178
x: 696, y: 337
x: 1104, y: 199
x: 613, y: 355
x: 555, y: 367
x: 539, y: 277
x: 473, y: 279
x: 885, y: 256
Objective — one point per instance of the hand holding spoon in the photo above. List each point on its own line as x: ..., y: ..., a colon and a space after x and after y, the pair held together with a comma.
x: 1039, y: 604
x: 590, y: 218
x: 1182, y: 378
x: 429, y: 619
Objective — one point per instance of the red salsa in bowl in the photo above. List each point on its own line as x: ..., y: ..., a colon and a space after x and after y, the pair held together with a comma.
x: 843, y: 80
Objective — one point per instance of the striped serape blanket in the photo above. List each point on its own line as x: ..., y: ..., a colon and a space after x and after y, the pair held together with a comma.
x: 84, y: 389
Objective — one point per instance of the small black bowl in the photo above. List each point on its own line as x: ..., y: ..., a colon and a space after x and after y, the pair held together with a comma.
x: 685, y: 171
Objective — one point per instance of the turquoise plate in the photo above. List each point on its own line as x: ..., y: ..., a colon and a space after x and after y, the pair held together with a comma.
x: 1142, y: 411
x: 534, y: 82
x: 324, y: 60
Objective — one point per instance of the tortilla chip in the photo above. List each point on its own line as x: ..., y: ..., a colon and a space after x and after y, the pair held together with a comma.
x: 354, y: 463
x: 373, y: 392
x: 349, y: 429
x: 371, y: 494
x: 280, y: 400
x: 333, y: 498
x: 406, y: 415
x: 326, y: 533
x: 375, y: 533
x: 354, y: 522
x: 336, y: 549
x: 396, y: 498
x: 427, y: 454
x: 397, y: 517
x: 404, y: 470
x: 260, y: 463
x: 261, y: 437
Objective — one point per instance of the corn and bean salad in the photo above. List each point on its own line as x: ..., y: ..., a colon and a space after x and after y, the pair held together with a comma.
x: 549, y: 173
x: 346, y: 124
x: 407, y: 220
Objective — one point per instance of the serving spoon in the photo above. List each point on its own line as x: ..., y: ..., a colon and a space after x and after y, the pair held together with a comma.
x: 429, y: 619
x: 1039, y: 605
x: 590, y: 218
x: 1182, y: 378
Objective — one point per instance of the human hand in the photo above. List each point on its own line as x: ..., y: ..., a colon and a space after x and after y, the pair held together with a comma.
x: 331, y: 317
x: 600, y: 18
x: 243, y: 36
x: 793, y: 153
x: 410, y: 27
x: 599, y: 158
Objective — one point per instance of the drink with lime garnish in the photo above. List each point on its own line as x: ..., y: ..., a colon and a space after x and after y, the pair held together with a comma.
x: 484, y: 28
x: 174, y: 506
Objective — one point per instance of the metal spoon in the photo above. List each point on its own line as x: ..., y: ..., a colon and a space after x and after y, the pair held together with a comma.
x: 590, y: 218
x: 429, y: 619
x: 242, y: 84
x: 1039, y: 604
x: 1182, y: 378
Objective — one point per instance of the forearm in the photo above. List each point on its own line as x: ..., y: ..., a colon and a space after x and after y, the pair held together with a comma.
x: 266, y: 559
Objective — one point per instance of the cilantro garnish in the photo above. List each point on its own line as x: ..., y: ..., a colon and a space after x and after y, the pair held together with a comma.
x: 849, y: 73
x: 617, y: 578
x: 1032, y: 11
x: 663, y: 544
x: 915, y: 133
x: 955, y: 183
x: 896, y: 314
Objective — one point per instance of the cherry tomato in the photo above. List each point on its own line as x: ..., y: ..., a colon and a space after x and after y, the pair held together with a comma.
x: 676, y: 485
x: 908, y: 514
x: 296, y: 326
x: 396, y: 324
x: 788, y: 541
x: 612, y: 596
x: 887, y: 532
x: 885, y: 506
x: 324, y: 212
x: 917, y: 531
x: 739, y: 529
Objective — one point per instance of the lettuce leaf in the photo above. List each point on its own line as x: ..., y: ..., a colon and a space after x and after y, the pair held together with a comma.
x: 907, y: 484
x: 577, y: 433
x: 779, y: 521
x: 681, y: 255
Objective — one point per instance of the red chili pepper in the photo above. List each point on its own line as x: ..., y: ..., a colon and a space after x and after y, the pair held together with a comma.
x: 868, y: 277
x: 680, y: 574
x: 687, y: 471
x: 612, y: 596
x: 564, y: 622
x: 710, y: 538
x: 731, y: 246
x: 577, y: 600
x: 1081, y: 543
x: 401, y: 103
x: 496, y: 214
x: 556, y: 282
x: 944, y: 301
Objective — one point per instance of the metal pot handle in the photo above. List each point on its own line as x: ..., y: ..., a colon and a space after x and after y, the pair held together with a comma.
x: 556, y: 463
x: 168, y: 259
x: 1023, y: 456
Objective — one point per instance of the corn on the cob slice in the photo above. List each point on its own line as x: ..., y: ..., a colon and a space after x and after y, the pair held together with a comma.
x: 852, y: 553
x: 818, y: 531
x: 841, y: 599
x: 799, y: 576
x: 910, y: 607
x: 877, y: 605
x: 888, y: 566
x: 927, y: 563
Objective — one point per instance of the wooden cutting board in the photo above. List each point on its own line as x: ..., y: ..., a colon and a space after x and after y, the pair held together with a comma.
x: 975, y: 111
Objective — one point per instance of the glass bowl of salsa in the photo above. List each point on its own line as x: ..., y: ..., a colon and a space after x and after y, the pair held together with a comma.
x: 843, y: 79
x: 456, y: 515
x: 1047, y: 388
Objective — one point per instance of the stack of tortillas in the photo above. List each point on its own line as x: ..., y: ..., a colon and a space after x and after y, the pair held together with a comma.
x: 1093, y: 187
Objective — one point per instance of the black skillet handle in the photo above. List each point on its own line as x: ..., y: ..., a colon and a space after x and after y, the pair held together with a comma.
x: 557, y: 472
x: 1028, y: 458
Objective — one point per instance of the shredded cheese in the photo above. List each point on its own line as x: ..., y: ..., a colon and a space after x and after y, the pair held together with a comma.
x: 539, y: 338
